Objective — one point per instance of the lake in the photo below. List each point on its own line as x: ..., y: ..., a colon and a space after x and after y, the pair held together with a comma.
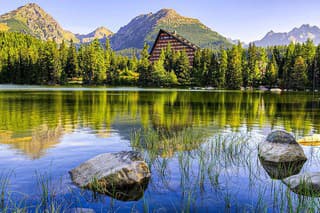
x: 47, y: 131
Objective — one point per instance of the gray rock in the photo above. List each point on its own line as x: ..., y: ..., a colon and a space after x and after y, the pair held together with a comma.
x: 281, y: 136
x: 122, y: 175
x: 279, y: 147
x: 307, y: 184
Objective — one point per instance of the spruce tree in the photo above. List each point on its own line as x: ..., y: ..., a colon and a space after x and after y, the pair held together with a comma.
x: 72, y: 68
x: 299, y: 74
x: 270, y: 78
x: 182, y: 70
x: 144, y: 67
x: 316, y: 71
x: 223, y: 67
x: 197, y: 71
x: 234, y: 72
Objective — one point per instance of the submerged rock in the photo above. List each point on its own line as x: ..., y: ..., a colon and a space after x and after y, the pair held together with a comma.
x: 283, y: 169
x: 122, y: 175
x: 80, y: 210
x: 276, y: 90
x: 279, y: 147
x: 307, y: 184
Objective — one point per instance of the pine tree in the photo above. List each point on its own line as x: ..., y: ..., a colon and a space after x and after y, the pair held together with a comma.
x: 213, y: 71
x: 107, y: 58
x: 316, y: 71
x: 197, y: 71
x: 144, y: 67
x: 94, y: 64
x: 308, y: 53
x: 72, y: 67
x: 234, y: 72
x: 299, y: 74
x: 159, y: 73
x: 287, y: 67
x: 270, y: 78
x: 205, y: 72
x: 182, y: 70
x: 249, y: 71
x: 63, y: 52
x: 50, y: 64
x: 260, y: 67
x: 223, y: 67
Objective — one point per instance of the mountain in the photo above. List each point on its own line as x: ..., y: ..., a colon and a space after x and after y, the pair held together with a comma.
x: 144, y: 28
x: 99, y: 33
x: 301, y: 34
x: 32, y: 19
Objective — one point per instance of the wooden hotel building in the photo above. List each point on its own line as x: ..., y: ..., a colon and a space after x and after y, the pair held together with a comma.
x: 177, y: 42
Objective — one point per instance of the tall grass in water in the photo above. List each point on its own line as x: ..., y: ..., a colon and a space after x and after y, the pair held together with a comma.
x: 4, y: 183
x: 214, y: 164
x: 206, y: 171
x: 48, y: 193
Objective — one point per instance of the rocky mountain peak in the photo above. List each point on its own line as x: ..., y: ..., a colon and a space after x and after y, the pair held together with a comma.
x: 34, y: 20
x: 144, y: 29
x: 271, y: 32
x: 298, y: 34
x: 167, y: 12
x: 102, y: 31
x: 99, y: 33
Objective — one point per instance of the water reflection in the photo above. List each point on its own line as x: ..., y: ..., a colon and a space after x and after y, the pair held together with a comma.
x: 282, y: 170
x: 33, y: 121
x: 34, y: 144
x: 131, y: 193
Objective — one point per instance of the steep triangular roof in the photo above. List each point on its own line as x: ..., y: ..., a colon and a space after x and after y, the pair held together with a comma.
x: 176, y: 36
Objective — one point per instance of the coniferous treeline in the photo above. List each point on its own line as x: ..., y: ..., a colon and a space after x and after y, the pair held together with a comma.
x: 27, y: 60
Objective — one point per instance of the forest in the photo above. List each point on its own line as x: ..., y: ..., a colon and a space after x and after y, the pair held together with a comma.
x: 28, y: 60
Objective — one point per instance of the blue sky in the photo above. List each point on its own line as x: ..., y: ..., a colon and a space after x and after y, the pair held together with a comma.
x: 247, y: 20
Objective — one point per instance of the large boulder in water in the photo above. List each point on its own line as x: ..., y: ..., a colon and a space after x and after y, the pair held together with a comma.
x: 307, y: 184
x: 279, y: 147
x: 122, y: 175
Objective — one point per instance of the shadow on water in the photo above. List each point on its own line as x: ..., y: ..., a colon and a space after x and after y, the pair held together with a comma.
x: 282, y: 170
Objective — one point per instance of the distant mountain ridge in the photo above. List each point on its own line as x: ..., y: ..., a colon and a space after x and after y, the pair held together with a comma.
x: 99, y: 33
x: 144, y: 28
x: 32, y: 19
x: 297, y: 35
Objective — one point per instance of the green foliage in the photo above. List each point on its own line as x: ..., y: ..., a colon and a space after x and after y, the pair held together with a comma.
x: 72, y: 68
x: 17, y: 26
x: 94, y: 70
x: 161, y: 76
x: 234, y: 72
x: 223, y: 68
x: 144, y: 67
x: 50, y: 64
x: 182, y: 70
x: 299, y: 73
x: 27, y: 60
x: 270, y: 78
